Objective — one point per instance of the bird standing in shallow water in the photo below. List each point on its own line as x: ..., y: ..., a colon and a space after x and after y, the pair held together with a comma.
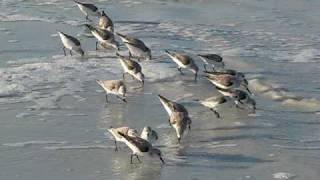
x: 71, y: 43
x: 141, y: 147
x: 184, y: 61
x: 104, y: 37
x: 178, y: 116
x: 226, y: 81
x: 136, y: 47
x: 115, y: 87
x: 131, y: 67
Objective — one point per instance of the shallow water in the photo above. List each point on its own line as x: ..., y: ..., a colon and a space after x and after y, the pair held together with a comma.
x: 53, y: 117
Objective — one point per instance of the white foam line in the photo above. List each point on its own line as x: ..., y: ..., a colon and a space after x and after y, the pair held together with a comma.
x: 297, y: 147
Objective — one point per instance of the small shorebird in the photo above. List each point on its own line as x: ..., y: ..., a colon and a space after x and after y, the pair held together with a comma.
x: 136, y: 47
x: 70, y: 43
x: 131, y: 67
x: 179, y: 121
x: 124, y: 130
x: 140, y: 147
x: 178, y: 115
x: 105, y: 22
x: 213, y: 103
x: 226, y: 81
x: 149, y: 134
x: 211, y: 59
x: 183, y: 61
x: 241, y: 97
x: 87, y: 9
x: 115, y: 87
x: 104, y: 37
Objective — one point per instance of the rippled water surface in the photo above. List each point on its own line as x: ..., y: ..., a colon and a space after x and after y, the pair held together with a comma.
x: 53, y: 115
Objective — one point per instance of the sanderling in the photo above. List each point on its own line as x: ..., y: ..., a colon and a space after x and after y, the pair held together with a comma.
x: 136, y: 47
x: 115, y: 87
x: 103, y: 36
x: 184, y: 61
x: 179, y: 121
x: 70, y: 43
x: 105, y: 22
x: 214, y: 102
x: 124, y: 130
x: 131, y: 67
x: 241, y: 97
x: 211, y: 59
x: 87, y: 9
x: 141, y: 147
x: 178, y: 115
x: 226, y: 81
x: 149, y: 134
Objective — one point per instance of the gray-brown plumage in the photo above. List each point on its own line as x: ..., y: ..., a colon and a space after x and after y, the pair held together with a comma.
x: 104, y: 37
x: 115, y: 87
x: 179, y: 121
x: 141, y: 147
x: 183, y: 61
x: 131, y: 67
x: 136, y: 47
x: 123, y: 130
x: 226, y: 81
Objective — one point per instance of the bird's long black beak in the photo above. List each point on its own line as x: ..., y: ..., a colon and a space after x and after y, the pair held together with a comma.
x: 162, y: 160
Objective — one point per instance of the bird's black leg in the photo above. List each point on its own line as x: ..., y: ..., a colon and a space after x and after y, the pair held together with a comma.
x: 122, y: 99
x: 169, y: 122
x: 106, y: 98
x: 123, y: 76
x: 180, y: 70
x: 205, y: 67
x: 71, y: 52
x: 131, y: 156
x: 64, y: 51
x: 138, y: 159
x: 249, y: 91
x: 130, y: 55
x: 195, y: 77
x: 115, y: 143
x: 215, y: 112
x: 97, y: 45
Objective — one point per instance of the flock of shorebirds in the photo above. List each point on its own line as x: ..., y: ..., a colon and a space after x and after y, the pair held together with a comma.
x: 232, y: 85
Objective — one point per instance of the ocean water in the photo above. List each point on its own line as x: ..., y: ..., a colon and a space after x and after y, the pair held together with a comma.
x: 54, y: 118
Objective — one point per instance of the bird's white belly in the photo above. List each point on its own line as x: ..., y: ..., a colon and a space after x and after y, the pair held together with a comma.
x: 167, y: 108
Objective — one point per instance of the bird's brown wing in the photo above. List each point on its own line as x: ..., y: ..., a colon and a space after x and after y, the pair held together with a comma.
x: 141, y: 144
